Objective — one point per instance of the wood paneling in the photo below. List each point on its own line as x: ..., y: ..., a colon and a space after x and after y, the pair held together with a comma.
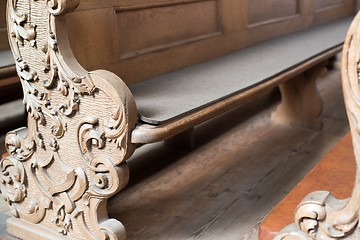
x: 235, y: 18
x: 4, y: 45
x: 330, y: 10
x: 92, y: 32
x: 10, y: 89
x: 2, y: 14
x: 260, y: 11
x: 136, y: 4
x: 322, y: 4
x: 155, y: 28
x: 165, y: 35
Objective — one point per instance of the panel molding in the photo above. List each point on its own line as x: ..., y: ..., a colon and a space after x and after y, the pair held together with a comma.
x: 268, y: 22
x: 157, y: 4
x: 257, y: 17
x: 175, y: 23
x: 335, y: 4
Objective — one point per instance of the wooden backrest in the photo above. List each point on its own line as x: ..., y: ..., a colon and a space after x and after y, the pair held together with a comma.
x: 140, y: 39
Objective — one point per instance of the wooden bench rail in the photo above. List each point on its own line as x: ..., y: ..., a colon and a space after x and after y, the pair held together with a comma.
x: 320, y: 215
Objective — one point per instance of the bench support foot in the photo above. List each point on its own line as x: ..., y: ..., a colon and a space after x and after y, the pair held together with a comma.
x: 301, y: 104
x: 320, y: 215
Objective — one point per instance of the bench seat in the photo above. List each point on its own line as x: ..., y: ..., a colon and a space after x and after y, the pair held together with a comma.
x: 163, y: 101
x: 175, y: 94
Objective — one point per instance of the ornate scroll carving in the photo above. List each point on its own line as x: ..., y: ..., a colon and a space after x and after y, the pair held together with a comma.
x: 320, y: 215
x: 71, y: 158
x: 57, y: 7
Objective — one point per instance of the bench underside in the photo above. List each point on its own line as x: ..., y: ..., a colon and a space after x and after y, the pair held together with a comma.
x: 171, y: 96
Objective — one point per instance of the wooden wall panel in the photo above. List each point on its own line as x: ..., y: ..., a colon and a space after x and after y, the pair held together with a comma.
x: 263, y: 11
x: 323, y: 4
x: 2, y: 13
x: 153, y: 37
x: 136, y: 4
x: 329, y: 10
x: 149, y: 29
x: 233, y: 14
x: 93, y: 36
x: 4, y: 45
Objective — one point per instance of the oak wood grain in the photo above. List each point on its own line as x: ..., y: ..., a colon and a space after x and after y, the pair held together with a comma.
x: 157, y: 36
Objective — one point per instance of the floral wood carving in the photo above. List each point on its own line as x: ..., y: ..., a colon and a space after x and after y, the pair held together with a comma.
x: 71, y: 158
x: 320, y: 215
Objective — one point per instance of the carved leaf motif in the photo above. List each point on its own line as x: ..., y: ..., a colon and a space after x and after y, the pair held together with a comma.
x: 103, y: 173
x: 21, y: 149
x: 20, y: 30
x: 25, y: 72
x: 64, y: 221
x: 115, y: 129
x: 67, y: 82
x: 58, y: 74
x: 12, y: 180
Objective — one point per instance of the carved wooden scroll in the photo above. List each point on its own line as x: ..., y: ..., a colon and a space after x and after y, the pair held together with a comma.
x: 320, y: 215
x: 63, y: 168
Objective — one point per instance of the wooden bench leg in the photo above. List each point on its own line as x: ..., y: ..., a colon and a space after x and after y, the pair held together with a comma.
x: 301, y: 104
x: 320, y: 215
x: 333, y: 63
x: 62, y: 170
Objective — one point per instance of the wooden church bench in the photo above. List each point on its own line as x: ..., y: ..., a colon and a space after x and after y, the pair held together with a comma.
x: 84, y: 124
